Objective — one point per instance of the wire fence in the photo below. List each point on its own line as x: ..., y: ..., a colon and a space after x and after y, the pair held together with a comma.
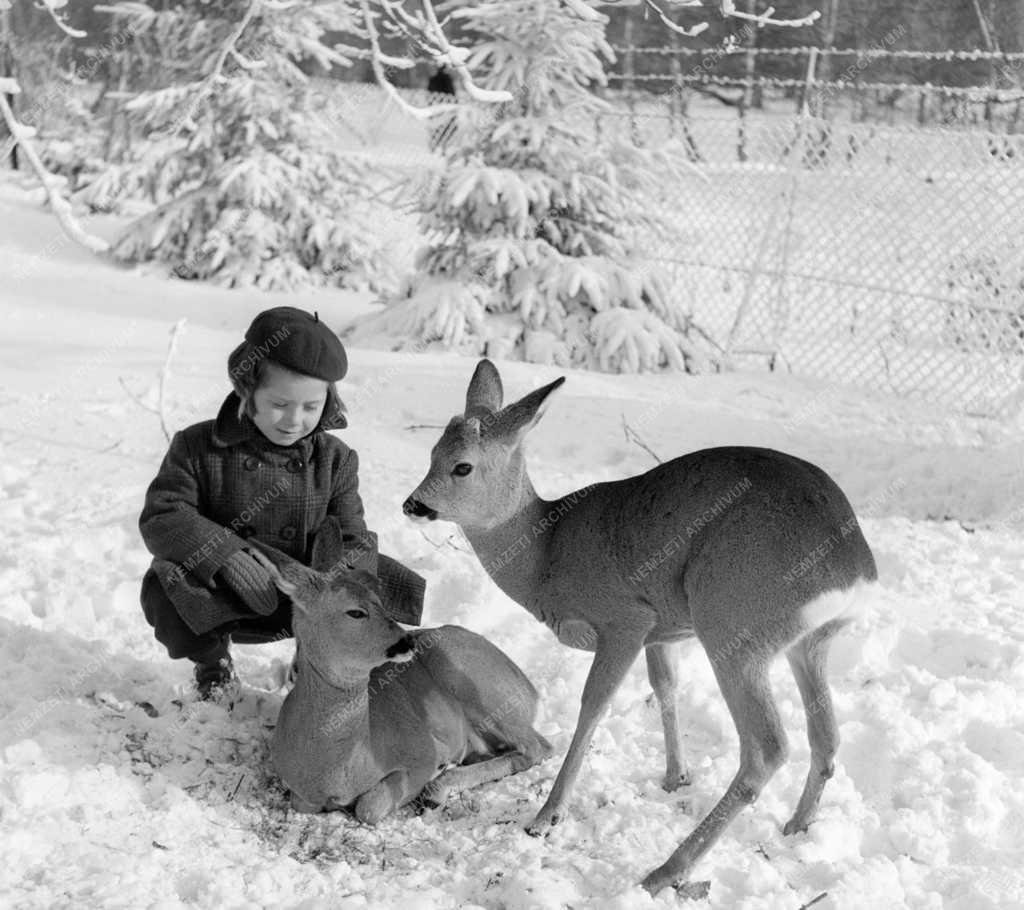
x: 889, y: 257
x: 948, y: 88
x: 885, y: 256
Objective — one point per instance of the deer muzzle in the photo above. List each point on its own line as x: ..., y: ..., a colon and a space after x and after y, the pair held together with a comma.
x: 416, y: 509
x: 402, y: 650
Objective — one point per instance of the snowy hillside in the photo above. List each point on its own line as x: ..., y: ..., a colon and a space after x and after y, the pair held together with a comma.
x: 118, y: 789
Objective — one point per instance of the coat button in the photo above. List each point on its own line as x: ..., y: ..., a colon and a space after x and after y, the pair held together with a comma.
x: 251, y: 463
x: 288, y: 532
x: 294, y: 465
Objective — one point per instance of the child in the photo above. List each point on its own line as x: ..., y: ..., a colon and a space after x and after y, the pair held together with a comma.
x: 263, y: 470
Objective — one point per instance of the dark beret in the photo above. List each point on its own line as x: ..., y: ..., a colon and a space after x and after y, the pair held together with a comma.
x: 299, y: 341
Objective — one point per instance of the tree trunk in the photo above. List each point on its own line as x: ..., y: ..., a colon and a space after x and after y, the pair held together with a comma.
x: 7, y: 69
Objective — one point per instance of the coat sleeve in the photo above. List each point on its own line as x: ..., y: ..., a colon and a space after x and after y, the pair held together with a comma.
x: 343, y: 536
x: 171, y: 524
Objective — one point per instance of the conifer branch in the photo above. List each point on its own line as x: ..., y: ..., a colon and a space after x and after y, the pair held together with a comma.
x: 245, y: 63
x: 216, y: 74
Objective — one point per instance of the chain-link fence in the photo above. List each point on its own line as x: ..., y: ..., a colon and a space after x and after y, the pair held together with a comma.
x: 866, y: 253
x: 883, y: 256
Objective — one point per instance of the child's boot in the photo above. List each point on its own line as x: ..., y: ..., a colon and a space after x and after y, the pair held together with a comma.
x: 213, y: 669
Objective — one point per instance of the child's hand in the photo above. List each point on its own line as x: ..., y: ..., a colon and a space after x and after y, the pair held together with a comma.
x: 250, y: 581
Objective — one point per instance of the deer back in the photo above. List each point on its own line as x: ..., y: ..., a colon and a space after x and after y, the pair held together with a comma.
x: 715, y: 538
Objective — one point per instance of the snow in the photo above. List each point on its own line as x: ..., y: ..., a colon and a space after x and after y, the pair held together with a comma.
x: 118, y: 789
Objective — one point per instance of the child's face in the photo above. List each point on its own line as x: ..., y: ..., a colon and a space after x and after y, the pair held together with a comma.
x: 287, y: 405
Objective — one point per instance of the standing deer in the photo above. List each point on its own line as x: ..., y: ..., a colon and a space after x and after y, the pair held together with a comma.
x: 455, y: 713
x: 736, y: 546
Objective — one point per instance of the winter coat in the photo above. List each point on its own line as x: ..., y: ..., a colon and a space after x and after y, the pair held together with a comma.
x: 223, y: 482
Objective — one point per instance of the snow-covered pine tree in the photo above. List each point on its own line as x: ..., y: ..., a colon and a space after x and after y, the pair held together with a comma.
x: 247, y: 187
x: 531, y: 221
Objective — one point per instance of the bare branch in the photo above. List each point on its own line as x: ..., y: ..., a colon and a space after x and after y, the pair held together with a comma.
x: 668, y: 23
x: 136, y: 398
x: 20, y: 135
x: 447, y: 543
x: 377, y: 62
x: 396, y: 10
x: 455, y: 57
x: 633, y: 436
x: 766, y: 18
x: 165, y: 371
x: 172, y: 346
x: 580, y: 8
x: 51, y: 8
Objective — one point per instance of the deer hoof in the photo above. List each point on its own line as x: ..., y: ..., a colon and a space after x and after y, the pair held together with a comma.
x: 371, y: 807
x: 693, y: 891
x: 435, y: 795
x: 674, y: 780
x: 661, y: 878
x: 543, y: 823
x: 795, y: 826
x: 520, y: 761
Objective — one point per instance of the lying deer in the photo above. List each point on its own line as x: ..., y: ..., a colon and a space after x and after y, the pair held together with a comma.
x: 455, y: 713
x: 736, y: 546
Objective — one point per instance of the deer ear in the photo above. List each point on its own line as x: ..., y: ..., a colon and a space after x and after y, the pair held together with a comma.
x: 288, y: 574
x: 521, y: 416
x: 484, y: 395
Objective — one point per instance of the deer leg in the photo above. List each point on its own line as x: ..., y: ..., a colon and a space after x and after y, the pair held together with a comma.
x: 465, y: 777
x: 662, y: 672
x: 612, y: 661
x: 298, y: 804
x: 747, y: 692
x: 385, y: 796
x: 808, y: 659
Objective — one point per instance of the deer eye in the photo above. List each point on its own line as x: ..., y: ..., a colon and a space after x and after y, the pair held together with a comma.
x: 462, y: 469
x: 357, y: 614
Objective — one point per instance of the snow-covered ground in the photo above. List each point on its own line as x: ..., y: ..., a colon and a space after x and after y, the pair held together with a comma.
x: 118, y: 789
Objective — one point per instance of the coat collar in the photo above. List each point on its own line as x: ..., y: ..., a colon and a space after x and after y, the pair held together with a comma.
x: 229, y: 429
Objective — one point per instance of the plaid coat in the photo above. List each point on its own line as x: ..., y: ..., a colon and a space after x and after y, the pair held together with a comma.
x: 223, y: 482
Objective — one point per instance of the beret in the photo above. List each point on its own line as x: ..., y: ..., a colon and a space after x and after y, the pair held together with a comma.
x: 299, y: 341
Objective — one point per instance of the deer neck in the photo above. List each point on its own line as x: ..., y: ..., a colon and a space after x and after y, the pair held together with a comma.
x: 515, y: 551
x: 326, y: 710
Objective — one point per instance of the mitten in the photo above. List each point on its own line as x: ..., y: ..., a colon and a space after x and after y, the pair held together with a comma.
x: 250, y: 581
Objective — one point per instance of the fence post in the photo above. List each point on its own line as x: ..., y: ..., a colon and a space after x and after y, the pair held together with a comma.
x: 812, y: 63
x: 784, y: 206
x: 676, y: 92
x: 627, y: 63
x: 747, y: 96
x: 628, y: 74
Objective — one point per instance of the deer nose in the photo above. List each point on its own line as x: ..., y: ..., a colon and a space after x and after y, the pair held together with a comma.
x: 416, y: 509
x: 403, y: 647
